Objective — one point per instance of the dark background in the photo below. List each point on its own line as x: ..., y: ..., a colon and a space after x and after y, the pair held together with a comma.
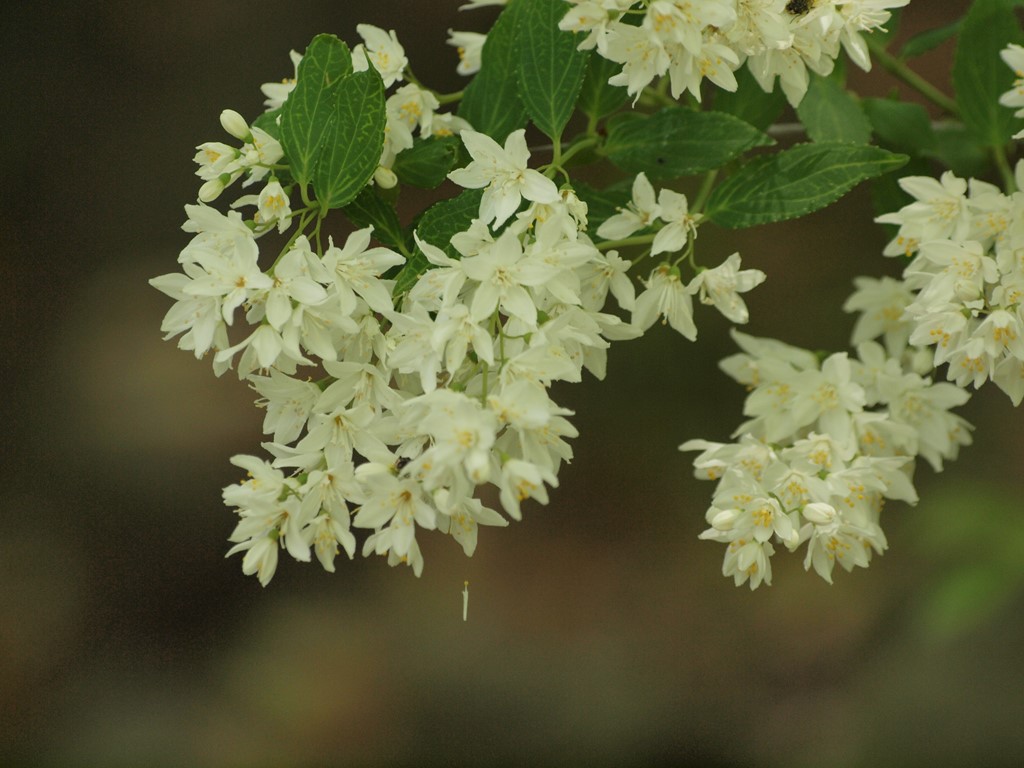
x: 600, y: 631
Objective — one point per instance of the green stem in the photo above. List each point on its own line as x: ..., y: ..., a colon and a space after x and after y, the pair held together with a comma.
x: 704, y: 192
x: 404, y: 250
x: 900, y: 69
x: 556, y: 152
x: 1005, y: 171
x: 448, y: 98
x: 303, y: 223
x: 579, y: 146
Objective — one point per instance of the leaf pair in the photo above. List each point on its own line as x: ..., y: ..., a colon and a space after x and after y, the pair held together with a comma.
x: 529, y: 69
x: 332, y: 125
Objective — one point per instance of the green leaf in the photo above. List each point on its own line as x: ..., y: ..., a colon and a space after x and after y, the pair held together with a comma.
x: 437, y: 226
x: 756, y: 107
x: 900, y: 125
x: 449, y: 217
x: 795, y: 182
x: 369, y: 209
x: 831, y: 113
x: 310, y: 106
x: 956, y: 149
x: 491, y: 102
x: 928, y: 40
x: 427, y: 163
x: 678, y: 142
x: 597, y: 97
x: 353, y: 140
x: 550, y: 68
x: 980, y: 76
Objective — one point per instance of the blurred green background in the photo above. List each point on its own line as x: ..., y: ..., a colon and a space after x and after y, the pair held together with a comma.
x: 600, y: 631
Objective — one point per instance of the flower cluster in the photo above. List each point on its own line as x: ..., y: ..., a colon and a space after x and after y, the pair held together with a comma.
x: 961, y: 290
x: 422, y: 396
x: 405, y: 368
x: 667, y: 296
x: 693, y: 41
x: 826, y: 443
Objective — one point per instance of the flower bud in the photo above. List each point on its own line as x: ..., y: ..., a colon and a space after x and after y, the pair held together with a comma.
x: 478, y: 466
x: 235, y: 124
x: 724, y: 520
x: 211, y: 190
x: 385, y: 177
x: 819, y: 513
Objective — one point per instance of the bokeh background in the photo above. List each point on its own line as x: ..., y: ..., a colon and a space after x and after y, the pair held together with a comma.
x: 600, y: 631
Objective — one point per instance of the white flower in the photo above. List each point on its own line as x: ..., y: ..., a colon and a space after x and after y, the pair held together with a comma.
x: 749, y: 455
x: 260, y: 557
x: 288, y: 401
x: 198, y: 318
x: 461, y: 432
x: 1013, y: 56
x: 357, y: 383
x: 328, y: 532
x: 521, y: 480
x: 535, y: 424
x: 277, y: 93
x: 832, y: 539
x: 455, y: 332
x: 948, y: 271
x: 759, y: 25
x: 292, y: 282
x: 409, y: 345
x: 749, y: 560
x: 469, y: 45
x: 604, y: 272
x: 595, y: 18
x: 383, y: 51
x: 863, y: 16
x: 713, y: 61
x: 503, y: 174
x: 356, y: 270
x: 395, y: 502
x: 940, y: 211
x: 408, y: 107
x: 670, y: 299
x: 274, y: 206
x: 640, y: 213
x: 642, y: 55
x: 683, y: 21
x: 233, y: 276
x: 503, y: 274
x: 680, y: 225
x: 722, y: 286
x: 461, y: 517
x: 828, y: 396
x: 337, y: 429
x: 270, y: 516
x: 881, y: 302
x: 1009, y: 377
